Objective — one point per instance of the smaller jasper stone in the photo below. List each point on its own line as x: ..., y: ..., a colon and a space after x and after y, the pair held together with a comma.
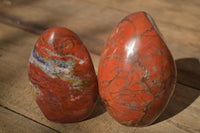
x: 62, y: 76
x: 137, y: 73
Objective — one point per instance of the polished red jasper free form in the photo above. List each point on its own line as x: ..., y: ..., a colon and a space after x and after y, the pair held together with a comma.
x: 137, y: 74
x: 62, y: 76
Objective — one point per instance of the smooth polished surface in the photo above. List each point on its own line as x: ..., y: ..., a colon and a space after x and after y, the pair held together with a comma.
x: 62, y: 76
x: 137, y: 73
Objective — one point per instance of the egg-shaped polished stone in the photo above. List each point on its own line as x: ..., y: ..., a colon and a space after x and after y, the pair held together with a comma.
x: 62, y: 76
x: 136, y: 73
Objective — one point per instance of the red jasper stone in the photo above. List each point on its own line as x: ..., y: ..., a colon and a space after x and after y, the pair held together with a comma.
x: 137, y: 73
x: 62, y: 76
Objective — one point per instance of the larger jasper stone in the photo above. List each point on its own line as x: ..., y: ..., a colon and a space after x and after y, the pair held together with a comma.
x: 62, y: 76
x: 137, y: 73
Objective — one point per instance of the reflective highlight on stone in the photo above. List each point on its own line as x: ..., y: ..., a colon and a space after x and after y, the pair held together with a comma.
x: 137, y: 73
x: 62, y: 76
